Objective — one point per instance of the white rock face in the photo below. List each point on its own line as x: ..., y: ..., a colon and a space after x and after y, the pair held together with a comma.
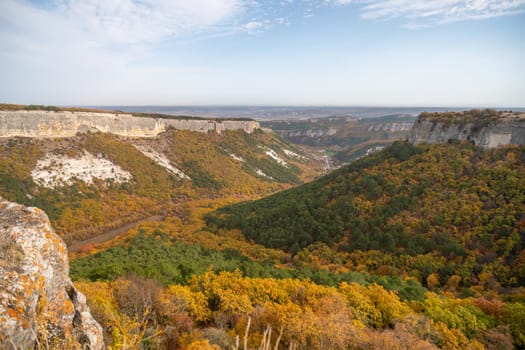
x: 161, y: 160
x: 293, y: 154
x: 234, y: 157
x: 44, y: 124
x: 272, y: 154
x: 308, y: 132
x: 57, y: 170
x: 509, y: 129
x: 495, y: 140
x: 37, y: 298
x: 375, y: 149
x: 263, y: 174
x: 392, y: 127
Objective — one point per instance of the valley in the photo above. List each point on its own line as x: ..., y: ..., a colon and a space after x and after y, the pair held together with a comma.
x: 344, y: 138
x: 262, y: 175
x: 192, y: 239
x: 93, y: 181
x: 76, y: 246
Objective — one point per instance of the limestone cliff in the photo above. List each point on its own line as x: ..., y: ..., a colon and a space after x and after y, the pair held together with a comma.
x: 67, y: 124
x: 311, y: 133
x: 39, y: 305
x: 487, y: 128
x: 391, y: 127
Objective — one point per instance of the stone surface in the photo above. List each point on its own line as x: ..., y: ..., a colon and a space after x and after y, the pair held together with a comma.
x: 161, y: 160
x: 508, y: 129
x: 391, y: 127
x: 67, y: 124
x: 39, y: 305
x: 311, y: 133
x: 272, y: 154
x: 56, y: 170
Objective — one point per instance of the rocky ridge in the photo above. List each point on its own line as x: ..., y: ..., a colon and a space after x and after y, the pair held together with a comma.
x: 391, y: 127
x: 311, y: 133
x: 50, y: 124
x: 486, y: 128
x: 39, y: 305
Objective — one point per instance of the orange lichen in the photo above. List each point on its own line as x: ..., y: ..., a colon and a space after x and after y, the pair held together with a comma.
x: 12, y: 313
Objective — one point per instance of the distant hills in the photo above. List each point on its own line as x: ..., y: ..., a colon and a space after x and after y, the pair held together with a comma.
x: 344, y: 138
x: 263, y: 113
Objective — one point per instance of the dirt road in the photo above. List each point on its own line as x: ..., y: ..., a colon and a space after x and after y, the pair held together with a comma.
x: 108, y: 235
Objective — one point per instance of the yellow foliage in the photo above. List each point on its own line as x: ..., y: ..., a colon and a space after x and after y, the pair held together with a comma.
x: 180, y: 298
x: 373, y: 304
x: 433, y: 280
x: 202, y: 345
x: 127, y: 331
x: 311, y: 316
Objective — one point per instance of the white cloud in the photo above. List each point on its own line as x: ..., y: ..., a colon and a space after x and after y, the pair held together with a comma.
x: 253, y: 25
x: 146, y: 21
x: 424, y: 13
x: 120, y: 52
x: 99, y: 50
x: 47, y: 57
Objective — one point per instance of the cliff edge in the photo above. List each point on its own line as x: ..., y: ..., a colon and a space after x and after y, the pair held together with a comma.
x: 39, y: 305
x: 40, y: 123
x: 483, y: 128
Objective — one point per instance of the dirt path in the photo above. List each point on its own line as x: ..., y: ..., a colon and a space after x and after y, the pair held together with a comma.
x: 108, y: 235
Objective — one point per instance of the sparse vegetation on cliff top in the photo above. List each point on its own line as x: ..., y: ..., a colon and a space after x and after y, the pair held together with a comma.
x: 15, y: 107
x: 478, y: 117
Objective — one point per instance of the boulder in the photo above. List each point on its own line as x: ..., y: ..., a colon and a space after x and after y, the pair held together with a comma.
x: 39, y: 305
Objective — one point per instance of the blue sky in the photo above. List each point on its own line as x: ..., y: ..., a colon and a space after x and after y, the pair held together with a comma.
x: 252, y: 52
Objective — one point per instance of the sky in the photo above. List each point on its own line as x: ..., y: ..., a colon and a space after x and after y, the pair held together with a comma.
x: 252, y: 52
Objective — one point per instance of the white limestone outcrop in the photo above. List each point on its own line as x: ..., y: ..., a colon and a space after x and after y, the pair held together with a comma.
x: 55, y: 170
x: 507, y: 129
x: 391, y: 127
x: 50, y: 124
x: 161, y: 160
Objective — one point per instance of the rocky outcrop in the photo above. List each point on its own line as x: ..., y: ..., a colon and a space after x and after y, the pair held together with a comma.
x: 391, y: 127
x: 487, y: 130
x: 67, y: 124
x: 312, y: 133
x: 39, y: 305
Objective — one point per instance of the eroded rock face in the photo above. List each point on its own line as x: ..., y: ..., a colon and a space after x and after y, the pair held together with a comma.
x: 38, y: 302
x: 391, y: 127
x: 60, y: 170
x: 506, y: 129
x: 51, y: 124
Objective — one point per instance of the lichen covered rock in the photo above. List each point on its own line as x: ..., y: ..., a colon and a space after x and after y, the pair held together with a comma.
x: 39, y: 305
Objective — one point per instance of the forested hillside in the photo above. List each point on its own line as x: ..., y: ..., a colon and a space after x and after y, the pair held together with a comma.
x: 413, y: 247
x: 94, y: 181
x: 446, y: 214
x: 156, y: 291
